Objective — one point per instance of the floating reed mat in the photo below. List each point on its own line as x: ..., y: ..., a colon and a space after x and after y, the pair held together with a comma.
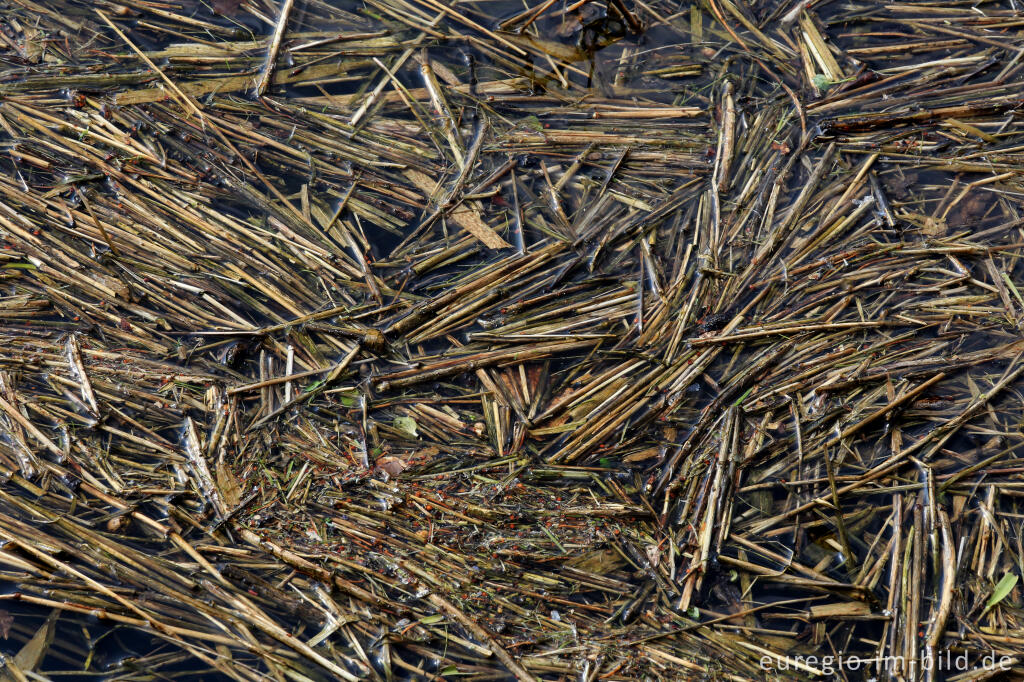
x: 423, y: 340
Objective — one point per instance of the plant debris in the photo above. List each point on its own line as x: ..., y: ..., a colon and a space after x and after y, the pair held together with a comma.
x: 413, y: 339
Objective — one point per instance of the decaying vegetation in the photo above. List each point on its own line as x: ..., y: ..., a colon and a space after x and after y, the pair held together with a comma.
x: 412, y: 339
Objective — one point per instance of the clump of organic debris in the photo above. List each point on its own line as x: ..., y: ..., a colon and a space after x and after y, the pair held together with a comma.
x: 413, y: 339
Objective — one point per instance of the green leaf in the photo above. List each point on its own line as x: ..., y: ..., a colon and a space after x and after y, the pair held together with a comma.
x: 1003, y: 588
x: 431, y: 620
x: 533, y: 122
x: 406, y: 425
x: 821, y: 81
x: 449, y: 670
x: 693, y: 612
x: 743, y: 397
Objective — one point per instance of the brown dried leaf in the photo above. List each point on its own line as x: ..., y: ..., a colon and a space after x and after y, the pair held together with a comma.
x: 34, y: 651
x: 465, y: 216
x: 599, y: 562
x: 934, y: 227
x: 392, y: 465
x: 230, y: 491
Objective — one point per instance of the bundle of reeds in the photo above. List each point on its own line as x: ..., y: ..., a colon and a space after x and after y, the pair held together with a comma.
x: 419, y: 339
